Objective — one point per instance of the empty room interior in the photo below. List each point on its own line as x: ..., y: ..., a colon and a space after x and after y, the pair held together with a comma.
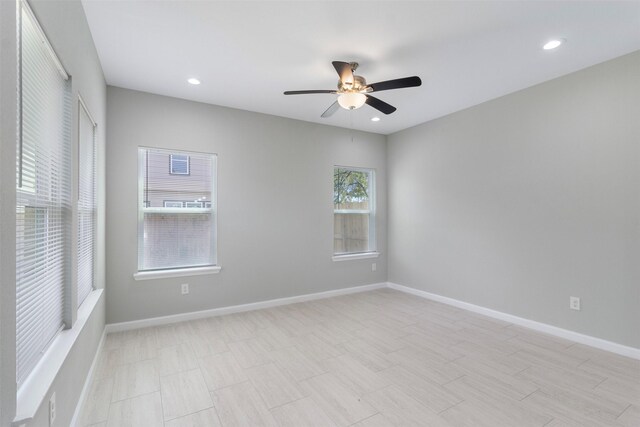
x: 319, y: 213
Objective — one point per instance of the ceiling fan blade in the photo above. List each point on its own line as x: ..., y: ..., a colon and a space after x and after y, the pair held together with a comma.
x: 396, y: 84
x: 380, y: 105
x: 344, y: 71
x: 329, y: 111
x: 305, y: 92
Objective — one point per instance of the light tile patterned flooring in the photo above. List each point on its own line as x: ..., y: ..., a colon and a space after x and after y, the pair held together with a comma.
x: 380, y: 358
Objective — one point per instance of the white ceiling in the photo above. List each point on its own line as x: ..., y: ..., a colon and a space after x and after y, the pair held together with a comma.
x: 247, y: 53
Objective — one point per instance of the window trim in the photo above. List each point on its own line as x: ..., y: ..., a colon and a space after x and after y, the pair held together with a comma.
x: 355, y: 255
x: 372, y: 251
x: 142, y: 208
x: 176, y: 272
x: 171, y: 160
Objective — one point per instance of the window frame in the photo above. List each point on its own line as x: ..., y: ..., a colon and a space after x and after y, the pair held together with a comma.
x: 84, y: 109
x: 180, y: 271
x: 371, y: 251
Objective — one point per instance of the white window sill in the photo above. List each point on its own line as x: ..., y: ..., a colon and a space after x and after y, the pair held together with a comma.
x: 176, y: 272
x: 34, y: 390
x: 349, y: 257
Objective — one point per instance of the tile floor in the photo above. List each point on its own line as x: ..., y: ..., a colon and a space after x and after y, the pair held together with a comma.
x: 380, y: 358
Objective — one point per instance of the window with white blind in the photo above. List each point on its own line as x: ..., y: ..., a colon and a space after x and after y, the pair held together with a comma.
x: 43, y: 196
x: 175, y: 229
x: 87, y: 206
x: 353, y: 211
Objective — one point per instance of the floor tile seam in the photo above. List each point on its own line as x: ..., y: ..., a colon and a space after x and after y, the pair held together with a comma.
x: 137, y: 395
x: 580, y: 412
x: 229, y: 385
x: 283, y: 404
x: 625, y: 410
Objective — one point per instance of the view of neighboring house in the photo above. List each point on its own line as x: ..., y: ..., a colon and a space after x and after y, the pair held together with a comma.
x: 176, y: 180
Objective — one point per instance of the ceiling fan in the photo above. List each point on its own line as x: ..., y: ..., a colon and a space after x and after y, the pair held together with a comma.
x: 353, y: 91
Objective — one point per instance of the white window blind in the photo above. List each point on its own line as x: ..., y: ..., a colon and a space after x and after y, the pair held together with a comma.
x: 353, y: 210
x: 43, y: 208
x: 86, y: 201
x: 175, y: 229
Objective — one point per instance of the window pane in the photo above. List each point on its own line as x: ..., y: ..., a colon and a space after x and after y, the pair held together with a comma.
x: 179, y: 164
x: 161, y: 185
x: 350, y: 233
x: 173, y: 240
x: 350, y: 189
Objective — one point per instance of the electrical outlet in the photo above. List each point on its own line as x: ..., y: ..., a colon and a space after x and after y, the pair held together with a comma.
x: 52, y: 409
x: 185, y: 288
x: 574, y: 303
x: 374, y: 267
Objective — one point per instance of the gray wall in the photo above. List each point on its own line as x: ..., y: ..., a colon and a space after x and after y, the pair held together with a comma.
x: 8, y: 117
x: 275, y: 217
x: 520, y: 202
x: 66, y: 27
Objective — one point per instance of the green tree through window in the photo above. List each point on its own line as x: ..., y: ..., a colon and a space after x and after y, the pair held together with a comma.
x: 349, y: 186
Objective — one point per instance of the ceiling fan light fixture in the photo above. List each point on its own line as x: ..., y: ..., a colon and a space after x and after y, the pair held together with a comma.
x: 351, y: 100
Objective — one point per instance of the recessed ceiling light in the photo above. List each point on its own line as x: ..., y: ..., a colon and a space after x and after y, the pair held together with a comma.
x: 375, y: 119
x: 552, y: 44
x: 193, y: 81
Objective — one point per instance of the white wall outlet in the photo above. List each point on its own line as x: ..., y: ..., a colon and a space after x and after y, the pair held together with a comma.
x: 52, y: 409
x: 184, y: 288
x: 574, y: 303
x: 374, y: 267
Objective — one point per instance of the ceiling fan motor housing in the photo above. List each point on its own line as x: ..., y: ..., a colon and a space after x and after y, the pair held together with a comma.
x: 359, y: 85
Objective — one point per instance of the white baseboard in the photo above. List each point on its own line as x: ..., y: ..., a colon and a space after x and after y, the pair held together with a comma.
x: 75, y: 421
x: 531, y: 324
x: 164, y: 320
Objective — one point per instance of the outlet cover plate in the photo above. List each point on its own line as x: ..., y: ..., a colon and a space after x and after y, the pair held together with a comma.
x: 574, y: 303
x: 52, y: 409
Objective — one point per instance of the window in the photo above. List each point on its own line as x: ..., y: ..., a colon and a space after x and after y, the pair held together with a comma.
x: 175, y: 230
x: 87, y: 206
x: 43, y: 197
x: 179, y: 164
x: 167, y: 204
x: 353, y: 211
